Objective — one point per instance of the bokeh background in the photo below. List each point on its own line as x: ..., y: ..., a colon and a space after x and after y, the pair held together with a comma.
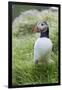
x: 24, y: 71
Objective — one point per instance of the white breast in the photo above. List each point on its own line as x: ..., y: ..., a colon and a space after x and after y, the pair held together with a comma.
x: 42, y: 47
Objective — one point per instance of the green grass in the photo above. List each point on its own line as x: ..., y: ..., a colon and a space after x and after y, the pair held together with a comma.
x: 24, y: 71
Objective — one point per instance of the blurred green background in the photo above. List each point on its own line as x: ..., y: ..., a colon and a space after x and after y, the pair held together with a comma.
x: 18, y: 9
x: 24, y: 71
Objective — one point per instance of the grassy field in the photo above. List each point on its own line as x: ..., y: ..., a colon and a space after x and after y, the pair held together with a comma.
x: 24, y: 71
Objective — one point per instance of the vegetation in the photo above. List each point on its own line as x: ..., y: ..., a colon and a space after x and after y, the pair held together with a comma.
x: 24, y: 71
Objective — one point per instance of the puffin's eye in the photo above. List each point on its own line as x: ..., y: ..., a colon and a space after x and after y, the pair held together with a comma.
x: 42, y: 24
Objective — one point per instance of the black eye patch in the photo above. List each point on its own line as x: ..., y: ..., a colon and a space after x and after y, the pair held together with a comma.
x: 42, y: 24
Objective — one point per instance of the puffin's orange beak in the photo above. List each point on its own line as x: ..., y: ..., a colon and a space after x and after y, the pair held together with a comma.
x: 35, y: 29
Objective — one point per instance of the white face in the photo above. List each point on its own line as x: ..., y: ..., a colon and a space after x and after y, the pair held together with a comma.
x: 42, y: 26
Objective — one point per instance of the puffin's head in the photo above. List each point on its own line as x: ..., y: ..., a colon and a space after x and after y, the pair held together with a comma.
x: 41, y: 26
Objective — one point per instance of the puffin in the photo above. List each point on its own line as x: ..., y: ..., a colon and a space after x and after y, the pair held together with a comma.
x: 43, y: 45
